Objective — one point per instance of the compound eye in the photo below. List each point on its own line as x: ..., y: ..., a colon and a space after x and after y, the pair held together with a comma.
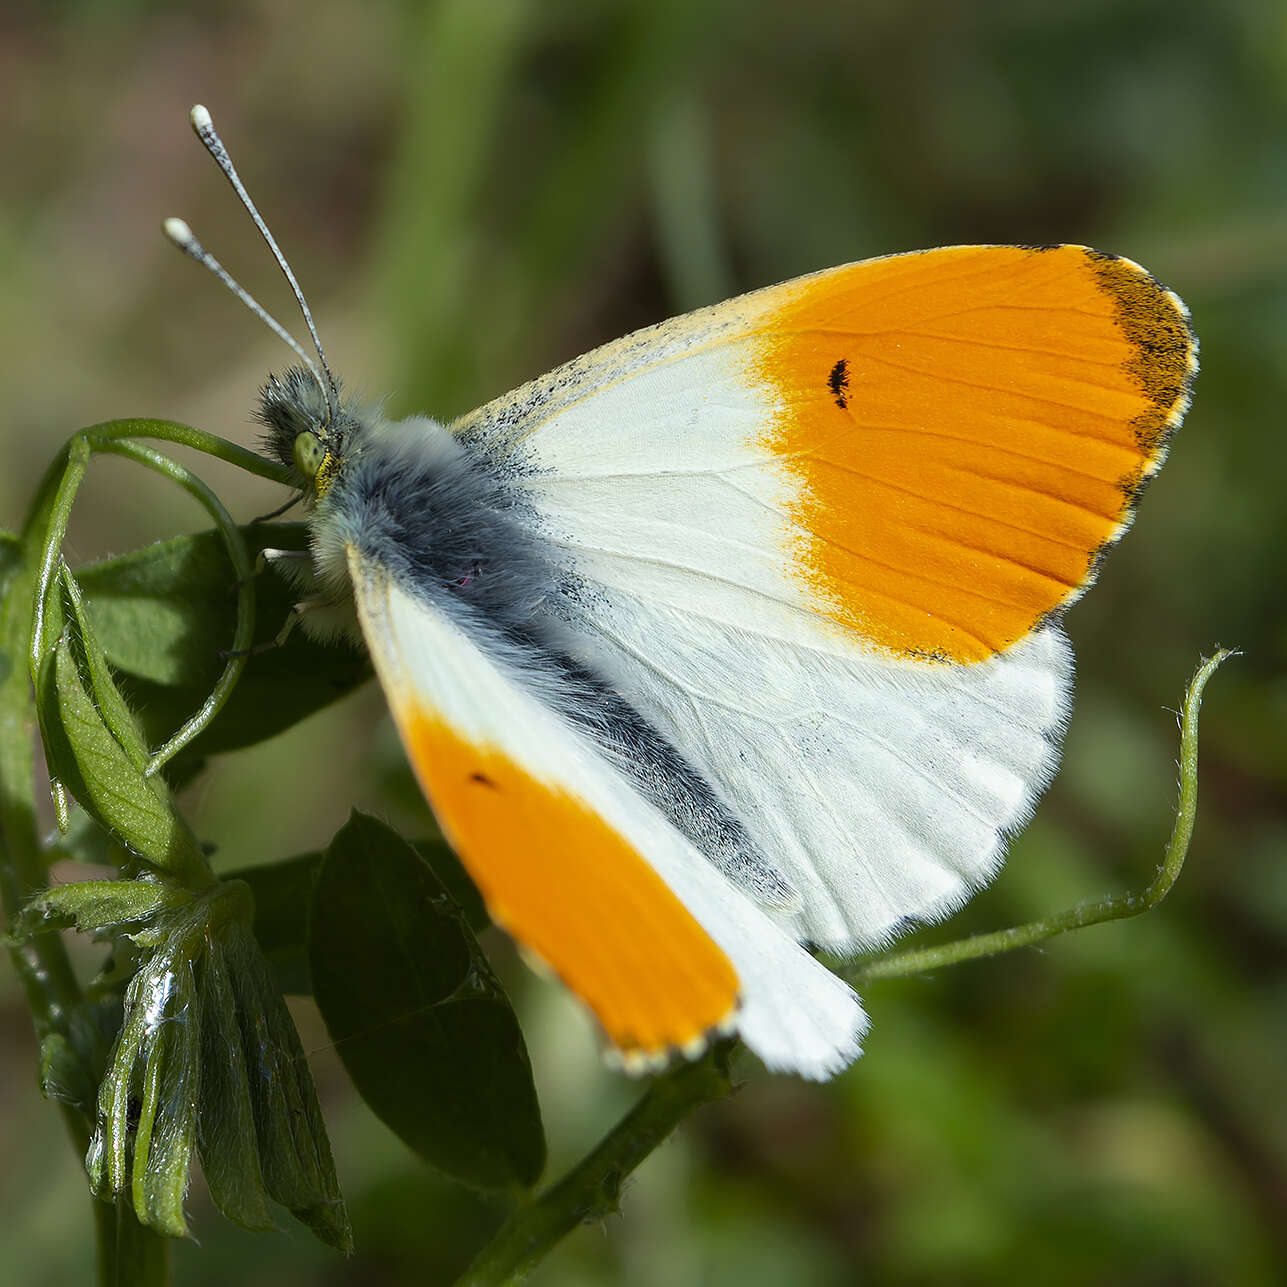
x: 308, y: 454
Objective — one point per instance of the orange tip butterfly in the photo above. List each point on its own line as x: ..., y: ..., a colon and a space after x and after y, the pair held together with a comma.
x: 740, y: 636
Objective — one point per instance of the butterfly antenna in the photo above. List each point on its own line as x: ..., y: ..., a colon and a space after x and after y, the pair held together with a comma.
x: 181, y: 235
x: 204, y: 129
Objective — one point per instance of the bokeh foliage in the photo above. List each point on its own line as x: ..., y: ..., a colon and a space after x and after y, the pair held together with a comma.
x: 473, y: 190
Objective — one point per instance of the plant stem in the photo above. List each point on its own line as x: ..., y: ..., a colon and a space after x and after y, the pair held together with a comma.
x: 64, y: 480
x: 51, y: 543
x: 236, y: 547
x: 592, y: 1189
x: 208, y: 444
x: 41, y: 964
x: 129, y: 1254
x: 920, y: 960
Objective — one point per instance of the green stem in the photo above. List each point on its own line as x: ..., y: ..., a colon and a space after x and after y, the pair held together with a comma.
x: 129, y: 1254
x: 41, y: 964
x: 920, y: 960
x: 73, y: 474
x: 245, y: 630
x: 208, y: 444
x: 69, y: 471
x: 112, y: 438
x: 592, y: 1189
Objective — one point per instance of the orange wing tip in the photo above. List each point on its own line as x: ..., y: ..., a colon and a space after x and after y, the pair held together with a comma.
x: 640, y: 1062
x: 964, y: 431
x: 1155, y: 323
x: 1155, y: 320
x: 574, y: 892
x: 625, y: 1056
x: 634, y: 1061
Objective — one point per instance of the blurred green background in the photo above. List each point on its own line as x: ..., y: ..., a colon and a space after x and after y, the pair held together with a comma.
x: 474, y: 190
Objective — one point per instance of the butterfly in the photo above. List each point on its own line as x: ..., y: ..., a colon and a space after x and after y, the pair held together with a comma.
x: 739, y: 638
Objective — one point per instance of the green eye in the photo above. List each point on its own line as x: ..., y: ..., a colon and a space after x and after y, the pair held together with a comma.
x: 308, y: 454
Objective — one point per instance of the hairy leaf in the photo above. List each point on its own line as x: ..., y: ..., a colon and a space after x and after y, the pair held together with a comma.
x: 163, y: 613
x: 284, y: 890
x: 206, y: 1058
x: 417, y: 1016
x: 226, y: 1136
x: 99, y: 906
x: 99, y: 761
x: 282, y: 893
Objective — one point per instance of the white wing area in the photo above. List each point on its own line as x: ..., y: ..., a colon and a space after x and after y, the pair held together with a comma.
x: 882, y: 793
x: 646, y: 464
x: 795, y: 1015
x: 882, y: 789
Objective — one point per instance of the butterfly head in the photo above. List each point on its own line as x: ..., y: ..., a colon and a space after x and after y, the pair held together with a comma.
x: 308, y: 428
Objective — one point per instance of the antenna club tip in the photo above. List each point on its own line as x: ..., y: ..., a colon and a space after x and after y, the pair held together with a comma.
x: 200, y: 118
x: 178, y: 232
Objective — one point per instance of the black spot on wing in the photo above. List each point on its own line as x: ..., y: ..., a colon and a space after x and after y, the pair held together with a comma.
x: 838, y: 383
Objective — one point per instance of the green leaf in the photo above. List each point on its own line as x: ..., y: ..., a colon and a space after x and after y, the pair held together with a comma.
x: 294, y: 1152
x: 147, y: 1102
x: 206, y: 1058
x: 416, y: 1014
x: 226, y: 1137
x: 72, y: 1059
x: 283, y: 891
x: 166, y: 1131
x: 63, y: 1075
x: 98, y: 677
x: 455, y: 880
x: 99, y: 906
x: 87, y: 755
x: 161, y: 610
x: 163, y: 613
